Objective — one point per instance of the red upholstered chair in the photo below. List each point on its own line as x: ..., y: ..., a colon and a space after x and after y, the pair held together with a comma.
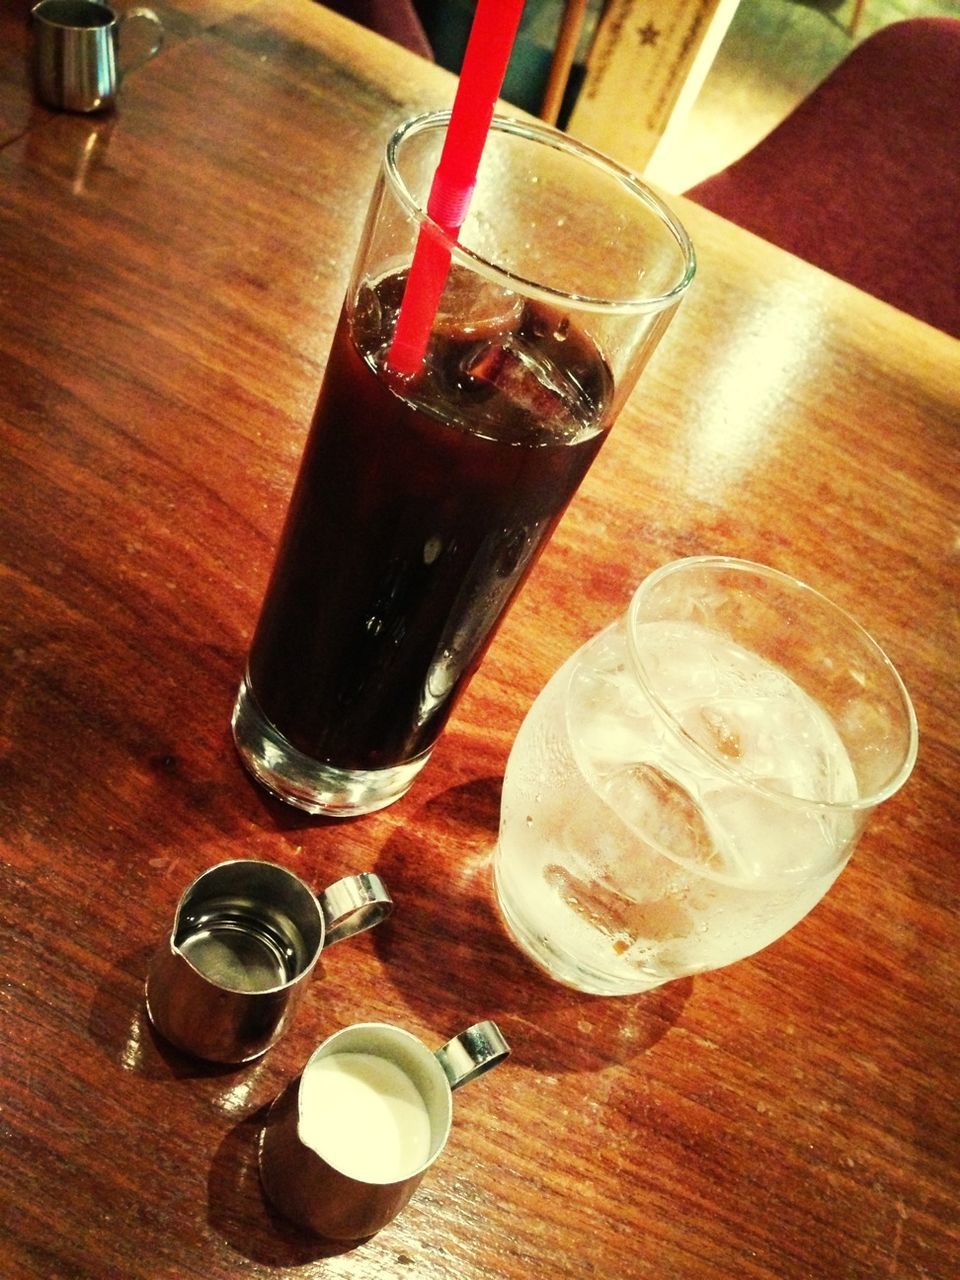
x: 398, y: 20
x: 863, y: 178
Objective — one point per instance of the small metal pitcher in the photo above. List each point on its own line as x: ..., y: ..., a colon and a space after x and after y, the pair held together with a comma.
x: 307, y: 1188
x: 76, y: 58
x: 245, y: 939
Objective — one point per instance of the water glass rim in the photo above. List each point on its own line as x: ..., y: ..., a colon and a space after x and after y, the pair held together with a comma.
x: 862, y: 803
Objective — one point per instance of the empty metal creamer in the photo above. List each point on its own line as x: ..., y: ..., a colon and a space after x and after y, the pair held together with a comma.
x: 245, y: 940
x: 76, y: 52
x: 297, y: 1167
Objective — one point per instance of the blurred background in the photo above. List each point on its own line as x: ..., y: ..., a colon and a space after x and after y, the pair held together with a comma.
x: 768, y: 55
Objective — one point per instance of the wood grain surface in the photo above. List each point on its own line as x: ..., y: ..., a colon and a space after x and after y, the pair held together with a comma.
x: 169, y: 281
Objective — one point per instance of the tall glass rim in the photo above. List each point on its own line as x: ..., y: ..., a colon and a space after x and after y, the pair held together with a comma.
x: 558, y: 141
x: 863, y: 803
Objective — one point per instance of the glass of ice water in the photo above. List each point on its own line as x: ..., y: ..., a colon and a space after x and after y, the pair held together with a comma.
x: 693, y: 780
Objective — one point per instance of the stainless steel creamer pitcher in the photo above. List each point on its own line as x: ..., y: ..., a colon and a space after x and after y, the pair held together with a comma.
x: 323, y: 1147
x: 76, y: 52
x: 245, y: 940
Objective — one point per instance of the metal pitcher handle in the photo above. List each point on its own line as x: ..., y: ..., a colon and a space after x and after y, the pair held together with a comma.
x: 352, y: 905
x: 472, y: 1052
x: 142, y: 14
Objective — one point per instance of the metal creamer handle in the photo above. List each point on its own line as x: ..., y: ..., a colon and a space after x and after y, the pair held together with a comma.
x: 352, y: 905
x: 141, y: 14
x: 471, y: 1053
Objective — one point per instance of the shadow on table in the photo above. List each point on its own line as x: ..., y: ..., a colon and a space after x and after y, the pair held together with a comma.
x: 236, y: 1207
x: 240, y: 1214
x: 455, y: 963
x: 118, y: 1022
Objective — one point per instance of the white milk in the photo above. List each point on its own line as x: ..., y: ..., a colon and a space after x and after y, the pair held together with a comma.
x: 364, y: 1116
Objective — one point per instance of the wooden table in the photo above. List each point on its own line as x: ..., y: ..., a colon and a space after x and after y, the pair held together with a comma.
x: 169, y: 278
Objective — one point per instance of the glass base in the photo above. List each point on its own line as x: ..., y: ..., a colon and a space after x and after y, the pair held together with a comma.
x: 559, y: 964
x: 306, y: 783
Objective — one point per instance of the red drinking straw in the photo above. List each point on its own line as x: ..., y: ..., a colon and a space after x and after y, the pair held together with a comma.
x: 481, y: 77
